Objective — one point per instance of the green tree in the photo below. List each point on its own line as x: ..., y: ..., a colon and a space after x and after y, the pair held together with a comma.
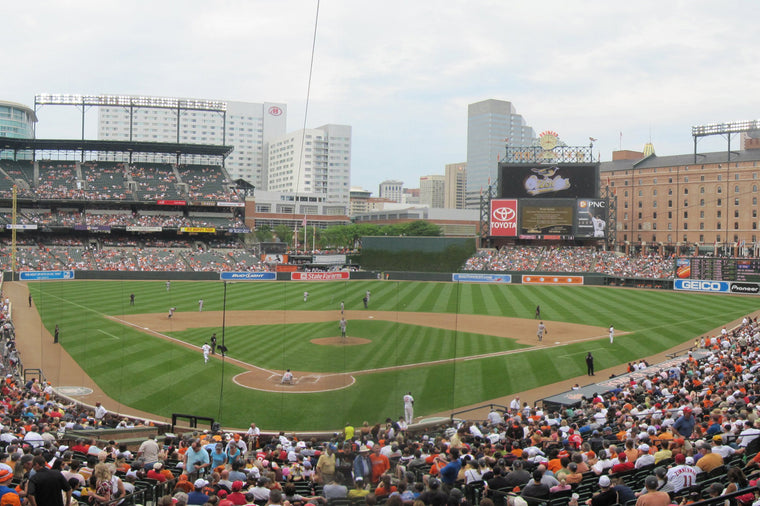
x: 420, y: 228
x: 284, y: 233
x: 264, y: 234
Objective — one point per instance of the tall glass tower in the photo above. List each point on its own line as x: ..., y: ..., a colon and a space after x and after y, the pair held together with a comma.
x: 491, y: 124
x: 17, y: 122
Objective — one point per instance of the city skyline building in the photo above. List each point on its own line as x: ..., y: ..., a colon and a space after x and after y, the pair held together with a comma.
x: 314, y: 160
x: 433, y: 190
x: 491, y: 125
x: 246, y: 126
x: 391, y: 189
x: 456, y: 183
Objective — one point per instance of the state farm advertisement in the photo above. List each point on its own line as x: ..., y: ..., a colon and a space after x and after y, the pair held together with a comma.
x: 319, y: 276
x: 503, y: 218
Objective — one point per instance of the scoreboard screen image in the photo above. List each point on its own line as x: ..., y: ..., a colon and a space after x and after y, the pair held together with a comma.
x: 537, y: 182
x: 549, y: 218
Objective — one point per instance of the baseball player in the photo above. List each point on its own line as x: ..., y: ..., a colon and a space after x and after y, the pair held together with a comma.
x: 206, y: 350
x: 343, y: 328
x: 541, y: 331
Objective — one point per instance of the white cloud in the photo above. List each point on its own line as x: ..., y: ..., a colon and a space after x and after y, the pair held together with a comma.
x: 402, y: 73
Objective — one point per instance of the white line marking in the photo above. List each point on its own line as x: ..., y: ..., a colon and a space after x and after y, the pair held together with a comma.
x: 108, y: 334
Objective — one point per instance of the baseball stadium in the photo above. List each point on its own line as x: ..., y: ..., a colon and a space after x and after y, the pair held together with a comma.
x: 135, y: 286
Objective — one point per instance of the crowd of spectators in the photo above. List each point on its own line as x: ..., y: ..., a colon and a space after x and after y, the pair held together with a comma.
x: 572, y: 259
x: 124, y: 218
x: 206, y: 183
x: 668, y: 435
x: 129, y: 255
x: 94, y: 180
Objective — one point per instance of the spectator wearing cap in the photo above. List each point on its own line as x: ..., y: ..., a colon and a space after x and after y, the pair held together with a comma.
x: 197, y: 496
x: 6, y: 476
x: 156, y: 474
x: 607, y: 496
x: 682, y: 475
x: 684, y: 425
x: 326, y: 465
x: 236, y: 496
x: 196, y: 458
x: 358, y: 492
x: 645, y: 458
x: 223, y: 499
x: 362, y: 466
x: 706, y: 459
x: 623, y: 464
x: 653, y: 497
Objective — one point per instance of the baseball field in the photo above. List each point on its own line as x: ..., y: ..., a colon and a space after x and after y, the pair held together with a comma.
x: 451, y: 344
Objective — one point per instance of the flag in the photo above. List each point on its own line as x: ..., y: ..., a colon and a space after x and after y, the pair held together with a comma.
x: 303, y: 223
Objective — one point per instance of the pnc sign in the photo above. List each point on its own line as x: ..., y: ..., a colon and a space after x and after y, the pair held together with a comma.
x: 503, y: 218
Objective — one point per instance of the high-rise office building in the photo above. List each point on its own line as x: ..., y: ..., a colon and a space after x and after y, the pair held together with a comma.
x: 433, y: 191
x: 246, y: 126
x: 315, y: 160
x: 16, y: 122
x: 456, y: 183
x: 491, y: 125
x: 391, y: 189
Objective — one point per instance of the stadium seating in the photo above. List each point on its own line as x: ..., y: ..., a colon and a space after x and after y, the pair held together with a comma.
x: 206, y: 182
x: 154, y: 181
x: 571, y: 259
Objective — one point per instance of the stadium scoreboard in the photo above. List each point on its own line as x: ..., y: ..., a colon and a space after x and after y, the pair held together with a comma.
x: 719, y: 269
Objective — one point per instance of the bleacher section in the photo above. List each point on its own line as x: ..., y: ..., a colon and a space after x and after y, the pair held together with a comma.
x: 570, y: 259
x: 58, y: 180
x: 12, y: 174
x: 100, y: 180
x: 205, y: 182
x: 105, y: 181
x: 155, y: 181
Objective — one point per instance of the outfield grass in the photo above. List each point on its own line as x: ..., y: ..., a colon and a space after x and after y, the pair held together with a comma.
x: 161, y: 377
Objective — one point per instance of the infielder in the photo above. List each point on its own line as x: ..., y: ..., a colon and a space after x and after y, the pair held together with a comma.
x: 541, y: 331
x: 612, y: 333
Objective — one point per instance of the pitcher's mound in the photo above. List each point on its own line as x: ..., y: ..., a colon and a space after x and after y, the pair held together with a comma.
x: 339, y: 341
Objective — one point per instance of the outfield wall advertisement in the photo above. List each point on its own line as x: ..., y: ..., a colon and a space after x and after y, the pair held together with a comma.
x: 481, y: 278
x: 320, y: 276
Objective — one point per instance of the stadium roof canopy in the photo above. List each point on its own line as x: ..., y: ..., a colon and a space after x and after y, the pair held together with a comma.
x: 113, y: 146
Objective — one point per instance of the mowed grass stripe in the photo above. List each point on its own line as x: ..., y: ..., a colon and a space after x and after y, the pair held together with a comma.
x: 663, y: 318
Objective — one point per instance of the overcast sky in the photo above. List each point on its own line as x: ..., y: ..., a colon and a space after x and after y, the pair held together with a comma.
x: 401, y: 73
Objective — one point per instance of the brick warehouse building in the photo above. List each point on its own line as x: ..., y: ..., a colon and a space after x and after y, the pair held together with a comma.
x: 676, y: 204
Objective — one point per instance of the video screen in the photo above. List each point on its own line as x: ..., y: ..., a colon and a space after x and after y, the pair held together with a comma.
x: 550, y: 218
x: 549, y: 181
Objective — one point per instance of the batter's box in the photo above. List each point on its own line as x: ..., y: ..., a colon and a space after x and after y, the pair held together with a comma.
x: 308, y: 379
